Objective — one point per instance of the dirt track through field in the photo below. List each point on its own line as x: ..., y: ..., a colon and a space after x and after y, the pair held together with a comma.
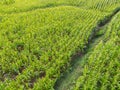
x: 68, y: 79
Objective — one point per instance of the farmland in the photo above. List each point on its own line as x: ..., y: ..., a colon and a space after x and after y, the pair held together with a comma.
x: 105, y: 54
x: 39, y: 39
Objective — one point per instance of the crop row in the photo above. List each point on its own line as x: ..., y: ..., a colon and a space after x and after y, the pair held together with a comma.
x: 37, y: 46
x: 15, y: 6
x: 102, y: 69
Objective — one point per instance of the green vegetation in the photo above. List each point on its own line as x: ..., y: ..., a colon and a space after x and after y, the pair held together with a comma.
x: 15, y: 6
x: 68, y: 79
x: 101, y: 71
x: 38, y: 39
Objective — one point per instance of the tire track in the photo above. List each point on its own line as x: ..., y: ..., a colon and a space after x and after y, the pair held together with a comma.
x: 67, y: 81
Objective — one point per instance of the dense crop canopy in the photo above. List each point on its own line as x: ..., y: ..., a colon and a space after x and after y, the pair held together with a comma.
x: 102, y: 69
x: 39, y: 37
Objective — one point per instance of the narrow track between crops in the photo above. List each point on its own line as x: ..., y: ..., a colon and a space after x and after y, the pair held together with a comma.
x: 68, y: 79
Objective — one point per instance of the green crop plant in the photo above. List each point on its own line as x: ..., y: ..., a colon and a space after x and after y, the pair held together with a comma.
x: 39, y: 37
x: 102, y: 68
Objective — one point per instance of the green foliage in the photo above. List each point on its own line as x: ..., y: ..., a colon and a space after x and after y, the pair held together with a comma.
x: 37, y: 42
x: 7, y: 2
x: 102, y: 69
